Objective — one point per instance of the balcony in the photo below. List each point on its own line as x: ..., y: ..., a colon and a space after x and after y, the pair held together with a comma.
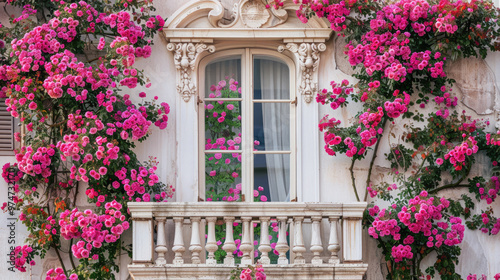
x: 314, y: 240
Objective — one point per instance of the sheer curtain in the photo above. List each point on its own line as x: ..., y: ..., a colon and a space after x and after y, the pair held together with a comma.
x: 275, y: 84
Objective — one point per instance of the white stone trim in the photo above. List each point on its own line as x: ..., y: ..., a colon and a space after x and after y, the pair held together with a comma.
x: 255, y: 209
x: 296, y: 272
x: 308, y: 57
x: 185, y: 59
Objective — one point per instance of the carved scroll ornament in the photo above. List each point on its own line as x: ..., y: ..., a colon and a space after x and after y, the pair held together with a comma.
x: 185, y: 58
x: 307, y: 55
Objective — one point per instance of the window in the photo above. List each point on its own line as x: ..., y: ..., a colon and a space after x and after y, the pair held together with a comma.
x: 247, y: 127
x: 7, y: 129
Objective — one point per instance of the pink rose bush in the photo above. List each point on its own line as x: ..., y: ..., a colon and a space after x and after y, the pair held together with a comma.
x: 81, y: 129
x: 23, y: 257
x: 399, y: 51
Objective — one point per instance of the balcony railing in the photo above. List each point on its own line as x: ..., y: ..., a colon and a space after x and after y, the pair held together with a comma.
x: 330, y: 253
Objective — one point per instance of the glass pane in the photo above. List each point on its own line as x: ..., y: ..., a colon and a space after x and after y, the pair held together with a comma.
x: 272, y: 126
x: 271, y: 79
x: 272, y: 177
x: 222, y: 125
x: 223, y: 177
x: 222, y: 78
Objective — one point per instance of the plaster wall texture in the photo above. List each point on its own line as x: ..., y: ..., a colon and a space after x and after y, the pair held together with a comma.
x: 480, y: 252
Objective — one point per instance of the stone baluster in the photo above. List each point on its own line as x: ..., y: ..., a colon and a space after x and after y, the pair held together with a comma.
x: 161, y: 244
x: 265, y: 246
x: 333, y: 243
x: 246, y: 243
x: 211, y: 245
x: 316, y: 245
x: 229, y: 245
x: 195, y: 247
x: 282, y: 245
x: 298, y: 242
x: 178, y: 241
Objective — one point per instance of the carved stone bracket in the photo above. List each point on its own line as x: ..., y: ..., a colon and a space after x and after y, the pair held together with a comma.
x: 185, y: 58
x: 307, y: 55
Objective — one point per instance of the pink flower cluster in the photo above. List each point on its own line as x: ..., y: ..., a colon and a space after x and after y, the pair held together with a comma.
x: 22, y: 255
x: 26, y: 13
x: 401, y: 251
x: 10, y: 177
x: 338, y: 95
x: 335, y: 13
x: 491, y: 223
x: 397, y: 107
x: 370, y: 122
x: 384, y: 227
x: 446, y: 24
x: 94, y: 229
x: 490, y: 191
x: 246, y: 274
x: 136, y: 182
x: 58, y: 274
x: 474, y: 277
x: 458, y: 154
x: 420, y: 214
x: 423, y: 215
x: 35, y: 163
x: 493, y: 140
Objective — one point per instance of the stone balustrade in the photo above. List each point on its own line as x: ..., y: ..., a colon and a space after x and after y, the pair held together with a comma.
x: 335, y: 255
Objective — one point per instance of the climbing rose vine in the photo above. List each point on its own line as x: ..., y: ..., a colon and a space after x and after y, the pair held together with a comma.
x: 400, y: 51
x: 63, y: 65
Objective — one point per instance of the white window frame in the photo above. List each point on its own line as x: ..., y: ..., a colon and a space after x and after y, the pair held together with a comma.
x: 247, y: 164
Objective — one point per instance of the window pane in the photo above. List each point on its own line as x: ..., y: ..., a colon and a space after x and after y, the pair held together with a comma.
x: 222, y: 125
x: 272, y: 177
x: 222, y: 78
x: 271, y: 79
x: 272, y: 126
x: 223, y: 177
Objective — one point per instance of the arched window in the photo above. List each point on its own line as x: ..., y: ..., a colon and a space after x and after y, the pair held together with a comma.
x: 247, y: 126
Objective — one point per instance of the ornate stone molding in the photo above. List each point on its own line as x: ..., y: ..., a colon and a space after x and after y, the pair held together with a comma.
x: 202, y: 19
x: 308, y: 55
x: 254, y: 14
x: 185, y: 58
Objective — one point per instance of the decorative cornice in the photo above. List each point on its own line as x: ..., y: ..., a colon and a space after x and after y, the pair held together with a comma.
x: 195, y: 9
x: 308, y: 57
x: 204, y: 19
x: 185, y: 58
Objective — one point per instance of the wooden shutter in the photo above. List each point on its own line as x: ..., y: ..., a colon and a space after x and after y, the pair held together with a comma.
x: 6, y: 128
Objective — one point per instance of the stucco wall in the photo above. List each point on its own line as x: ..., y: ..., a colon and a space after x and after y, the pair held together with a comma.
x: 480, y: 252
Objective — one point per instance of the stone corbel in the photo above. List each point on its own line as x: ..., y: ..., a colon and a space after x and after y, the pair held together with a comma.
x: 307, y: 55
x: 185, y: 58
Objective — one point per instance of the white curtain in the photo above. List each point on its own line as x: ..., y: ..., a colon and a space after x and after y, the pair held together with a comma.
x: 275, y: 84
